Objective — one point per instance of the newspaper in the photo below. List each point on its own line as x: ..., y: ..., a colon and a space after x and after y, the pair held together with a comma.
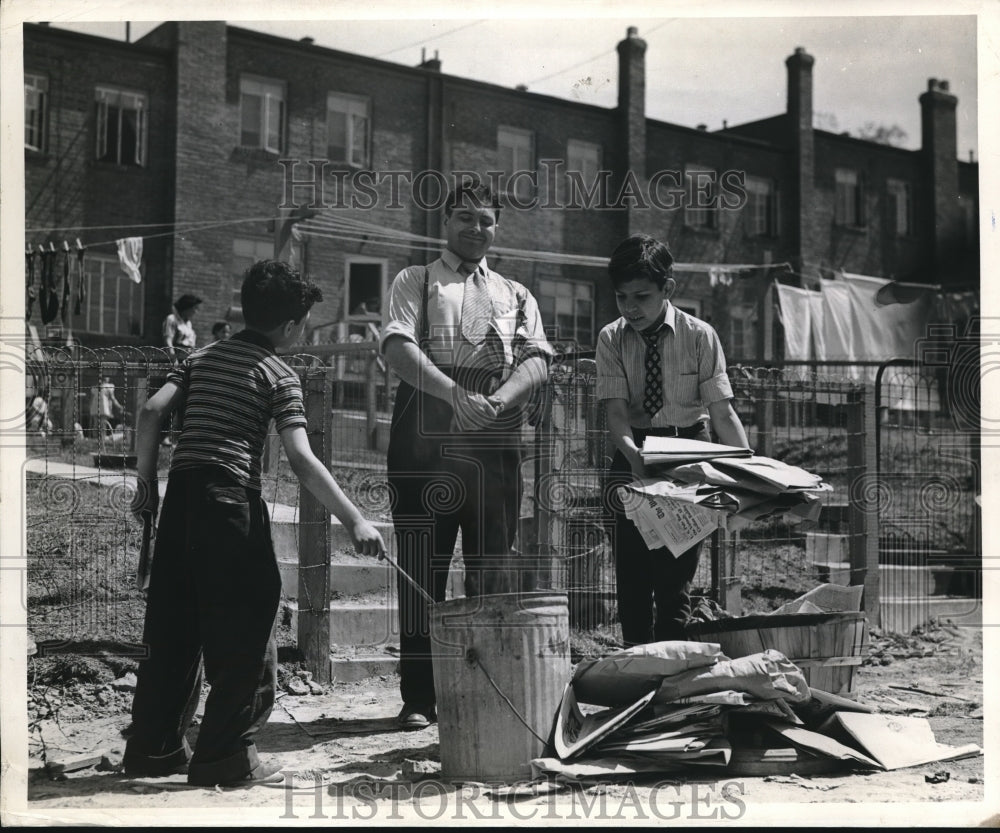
x: 668, y: 522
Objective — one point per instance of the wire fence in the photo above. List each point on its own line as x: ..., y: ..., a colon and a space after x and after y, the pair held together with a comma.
x: 904, y: 478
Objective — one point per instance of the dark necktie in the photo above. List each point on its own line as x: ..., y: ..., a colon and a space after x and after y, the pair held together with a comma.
x: 652, y: 399
x: 477, y: 307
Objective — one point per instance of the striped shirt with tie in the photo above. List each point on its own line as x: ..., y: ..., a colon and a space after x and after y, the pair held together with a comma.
x: 692, y: 366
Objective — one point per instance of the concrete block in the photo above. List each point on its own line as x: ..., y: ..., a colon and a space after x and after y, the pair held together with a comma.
x: 826, y: 548
x: 353, y: 669
x: 359, y: 578
x: 353, y: 624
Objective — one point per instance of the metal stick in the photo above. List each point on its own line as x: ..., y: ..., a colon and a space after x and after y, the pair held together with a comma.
x: 406, y: 575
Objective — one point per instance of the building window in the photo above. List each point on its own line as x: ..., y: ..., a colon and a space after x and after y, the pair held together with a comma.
x: 36, y: 95
x: 262, y: 114
x: 114, y: 304
x: 121, y: 126
x: 348, y: 119
x: 849, y: 205
x: 364, y: 289
x: 900, y: 207
x: 762, y: 207
x: 516, y: 153
x: 584, y: 158
x: 569, y: 305
x: 742, y: 333
x: 689, y: 305
x: 701, y: 209
x: 246, y: 252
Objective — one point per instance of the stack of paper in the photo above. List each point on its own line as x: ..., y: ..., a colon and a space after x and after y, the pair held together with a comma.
x: 684, y: 704
x: 673, y: 451
x: 701, y: 486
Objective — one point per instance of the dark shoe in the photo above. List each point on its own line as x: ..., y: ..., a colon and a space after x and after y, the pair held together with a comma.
x: 264, y: 774
x: 416, y: 717
x: 147, y: 767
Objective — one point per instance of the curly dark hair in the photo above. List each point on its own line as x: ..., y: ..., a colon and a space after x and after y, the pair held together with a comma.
x: 641, y: 256
x: 273, y: 293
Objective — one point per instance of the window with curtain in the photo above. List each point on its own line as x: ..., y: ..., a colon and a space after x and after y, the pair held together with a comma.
x: 701, y: 210
x: 762, y: 207
x: 121, y: 126
x: 900, y: 207
x: 36, y: 93
x: 348, y: 121
x: 262, y: 114
x: 849, y: 198
x: 516, y: 152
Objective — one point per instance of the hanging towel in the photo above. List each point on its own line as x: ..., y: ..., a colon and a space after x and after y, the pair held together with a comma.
x: 130, y: 256
x: 796, y: 320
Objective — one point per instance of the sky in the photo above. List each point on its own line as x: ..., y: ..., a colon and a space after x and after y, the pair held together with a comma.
x: 700, y: 69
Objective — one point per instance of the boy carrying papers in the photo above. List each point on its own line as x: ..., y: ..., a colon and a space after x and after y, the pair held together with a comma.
x: 215, y: 586
x: 661, y: 372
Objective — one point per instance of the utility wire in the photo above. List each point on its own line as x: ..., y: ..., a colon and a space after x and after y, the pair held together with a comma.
x: 594, y: 58
x: 423, y: 41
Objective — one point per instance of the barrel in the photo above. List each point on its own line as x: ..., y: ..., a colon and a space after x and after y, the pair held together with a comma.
x: 827, y: 647
x: 501, y: 663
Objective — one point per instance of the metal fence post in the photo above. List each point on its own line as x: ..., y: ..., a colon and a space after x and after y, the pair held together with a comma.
x: 371, y: 399
x: 862, y: 516
x: 314, y: 533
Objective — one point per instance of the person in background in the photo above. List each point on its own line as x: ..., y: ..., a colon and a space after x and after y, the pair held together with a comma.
x: 178, y: 332
x: 660, y: 372
x: 221, y: 331
x: 179, y: 339
x: 469, y: 347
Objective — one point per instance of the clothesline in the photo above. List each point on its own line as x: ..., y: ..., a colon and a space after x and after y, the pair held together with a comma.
x: 349, y: 230
x: 339, y: 227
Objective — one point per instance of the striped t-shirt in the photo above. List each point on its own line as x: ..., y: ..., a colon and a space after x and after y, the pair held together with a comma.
x: 233, y: 389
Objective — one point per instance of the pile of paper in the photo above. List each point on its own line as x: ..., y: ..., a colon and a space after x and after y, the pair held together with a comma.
x: 700, y: 486
x: 673, y: 706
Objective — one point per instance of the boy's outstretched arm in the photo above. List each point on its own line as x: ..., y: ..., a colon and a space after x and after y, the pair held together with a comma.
x: 321, y: 484
x: 147, y: 442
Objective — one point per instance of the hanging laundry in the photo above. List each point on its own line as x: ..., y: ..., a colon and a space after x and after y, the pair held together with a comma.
x: 64, y: 306
x: 130, y: 257
x: 796, y: 321
x: 49, y: 297
x: 31, y: 292
x: 81, y: 283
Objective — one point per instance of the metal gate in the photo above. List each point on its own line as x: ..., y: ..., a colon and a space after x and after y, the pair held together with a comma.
x: 929, y: 484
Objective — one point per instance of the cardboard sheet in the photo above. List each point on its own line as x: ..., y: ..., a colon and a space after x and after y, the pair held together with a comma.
x: 576, y: 732
x: 895, y: 741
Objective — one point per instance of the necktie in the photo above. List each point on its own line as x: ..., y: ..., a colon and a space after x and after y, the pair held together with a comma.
x: 652, y: 399
x: 477, y: 307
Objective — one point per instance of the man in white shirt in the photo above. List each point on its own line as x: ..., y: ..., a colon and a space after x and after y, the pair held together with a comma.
x: 469, y: 347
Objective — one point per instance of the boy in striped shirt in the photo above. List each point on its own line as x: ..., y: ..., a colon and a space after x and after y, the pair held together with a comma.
x: 660, y: 372
x: 214, y: 587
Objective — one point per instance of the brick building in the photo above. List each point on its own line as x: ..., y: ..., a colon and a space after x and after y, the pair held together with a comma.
x: 192, y: 136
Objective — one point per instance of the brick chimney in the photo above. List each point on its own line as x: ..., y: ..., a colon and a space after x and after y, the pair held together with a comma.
x: 939, y: 149
x: 632, y: 102
x: 799, y: 117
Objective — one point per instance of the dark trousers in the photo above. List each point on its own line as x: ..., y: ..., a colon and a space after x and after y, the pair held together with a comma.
x: 442, y: 482
x: 643, y: 575
x: 214, y: 592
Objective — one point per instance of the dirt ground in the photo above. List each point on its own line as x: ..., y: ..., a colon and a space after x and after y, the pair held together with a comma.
x: 344, y: 758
